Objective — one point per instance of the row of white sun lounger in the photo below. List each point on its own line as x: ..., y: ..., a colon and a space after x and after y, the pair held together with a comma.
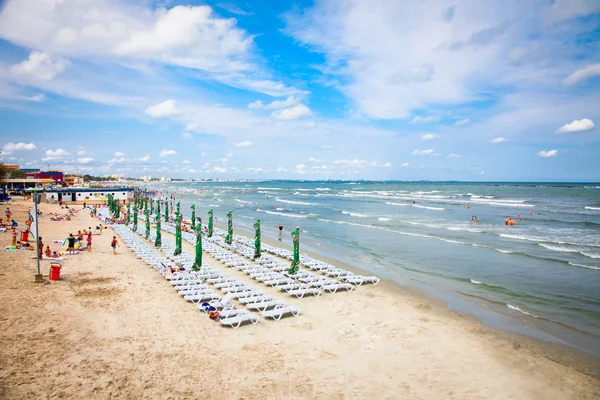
x: 315, y: 265
x: 269, y: 270
x: 193, y: 285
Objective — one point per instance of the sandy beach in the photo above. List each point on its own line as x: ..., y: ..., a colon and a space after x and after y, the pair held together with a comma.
x: 112, y: 327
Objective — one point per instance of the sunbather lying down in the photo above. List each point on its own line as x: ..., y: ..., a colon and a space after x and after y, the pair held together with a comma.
x: 176, y: 270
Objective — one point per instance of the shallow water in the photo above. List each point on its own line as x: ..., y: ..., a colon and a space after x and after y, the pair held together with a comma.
x: 543, y: 273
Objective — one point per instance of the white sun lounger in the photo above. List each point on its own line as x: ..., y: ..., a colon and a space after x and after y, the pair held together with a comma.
x: 264, y: 305
x: 239, y: 319
x: 303, y: 292
x: 359, y: 279
x: 277, y: 313
x: 201, y: 297
x: 334, y: 287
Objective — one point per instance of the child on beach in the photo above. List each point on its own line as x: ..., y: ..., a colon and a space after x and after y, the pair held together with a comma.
x: 48, y: 252
x: 114, y: 245
x: 89, y: 243
x: 71, y: 245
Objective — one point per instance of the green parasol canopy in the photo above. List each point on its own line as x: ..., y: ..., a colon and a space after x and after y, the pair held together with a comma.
x: 229, y: 237
x: 257, y: 239
x: 135, y: 216
x: 147, y: 213
x: 193, y: 216
x: 296, y: 260
x: 177, y: 236
x: 128, y: 218
x: 166, y: 210
x: 198, y: 260
x: 210, y: 222
x: 158, y: 240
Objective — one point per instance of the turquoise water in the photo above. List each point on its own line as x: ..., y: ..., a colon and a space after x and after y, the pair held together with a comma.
x: 540, y: 276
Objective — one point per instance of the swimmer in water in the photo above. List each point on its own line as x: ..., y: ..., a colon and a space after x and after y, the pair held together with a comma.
x: 506, y: 221
x: 530, y: 212
x: 520, y: 218
x: 476, y: 219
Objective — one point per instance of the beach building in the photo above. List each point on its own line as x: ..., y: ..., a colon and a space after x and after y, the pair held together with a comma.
x: 50, y: 176
x: 88, y: 195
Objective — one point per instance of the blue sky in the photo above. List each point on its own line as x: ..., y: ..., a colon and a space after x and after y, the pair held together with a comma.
x: 363, y: 89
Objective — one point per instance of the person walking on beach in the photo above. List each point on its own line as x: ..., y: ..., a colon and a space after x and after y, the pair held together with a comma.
x: 114, y: 245
x: 280, y: 235
x: 71, y: 243
x: 14, y: 236
x: 89, y: 243
x: 8, y: 214
x: 40, y: 247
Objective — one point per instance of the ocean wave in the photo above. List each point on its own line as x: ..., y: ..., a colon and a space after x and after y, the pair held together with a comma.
x: 558, y: 248
x: 546, y: 240
x: 473, y: 281
x: 457, y: 228
x: 505, y: 251
x: 429, y: 208
x: 283, y: 214
x: 354, y: 214
x: 396, y: 204
x: 304, y: 203
x: 384, y: 219
x: 592, y: 208
x: 243, y: 201
x: 515, y: 308
x: 584, y: 266
x: 591, y: 255
x: 322, y: 189
x: 269, y: 188
x: 398, y: 232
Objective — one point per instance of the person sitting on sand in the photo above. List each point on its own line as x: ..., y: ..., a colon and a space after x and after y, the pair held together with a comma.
x: 55, y: 255
x: 214, y: 314
x: 68, y: 217
x: 24, y: 246
x: 48, y: 252
x: 176, y: 270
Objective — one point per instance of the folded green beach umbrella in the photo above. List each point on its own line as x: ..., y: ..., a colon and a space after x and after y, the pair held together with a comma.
x: 198, y: 260
x: 257, y: 239
x: 210, y: 222
x: 229, y: 237
x: 296, y: 260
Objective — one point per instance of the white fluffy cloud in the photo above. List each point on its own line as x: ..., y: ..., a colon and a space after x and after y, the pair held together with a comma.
x: 582, y: 74
x: 548, y: 153
x: 119, y: 154
x: 11, y: 147
x: 429, y: 136
x: 462, y: 122
x: 422, y: 120
x: 85, y: 160
x: 274, y: 105
x: 57, y: 153
x: 41, y: 66
x: 352, y: 163
x: 404, y: 165
x: 454, y: 155
x: 165, y: 152
x: 145, y: 158
x: 293, y: 112
x: 245, y: 143
x: 580, y: 125
x: 186, y: 135
x: 167, y: 108
x: 499, y: 140
x: 423, y: 152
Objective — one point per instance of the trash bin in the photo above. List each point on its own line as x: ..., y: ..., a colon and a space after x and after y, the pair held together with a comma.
x: 24, y: 236
x: 55, y: 271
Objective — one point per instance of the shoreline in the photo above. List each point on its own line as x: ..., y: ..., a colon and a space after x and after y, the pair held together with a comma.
x: 112, y: 327
x: 563, y: 353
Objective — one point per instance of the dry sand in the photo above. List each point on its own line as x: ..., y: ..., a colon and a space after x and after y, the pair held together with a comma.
x: 112, y: 327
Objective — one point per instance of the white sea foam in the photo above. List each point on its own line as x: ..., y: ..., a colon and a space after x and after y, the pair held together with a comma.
x: 505, y: 251
x: 473, y: 281
x: 592, y: 208
x: 322, y: 189
x: 396, y: 204
x: 282, y: 214
x: 243, y: 201
x: 269, y: 188
x: 591, y: 255
x: 397, y: 232
x: 296, y: 202
x: 584, y: 266
x: 558, y: 248
x: 515, y: 308
x: 429, y: 208
x: 354, y: 214
x: 457, y: 228
x: 384, y: 219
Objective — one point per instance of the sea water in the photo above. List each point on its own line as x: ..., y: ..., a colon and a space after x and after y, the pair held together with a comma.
x: 540, y: 276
